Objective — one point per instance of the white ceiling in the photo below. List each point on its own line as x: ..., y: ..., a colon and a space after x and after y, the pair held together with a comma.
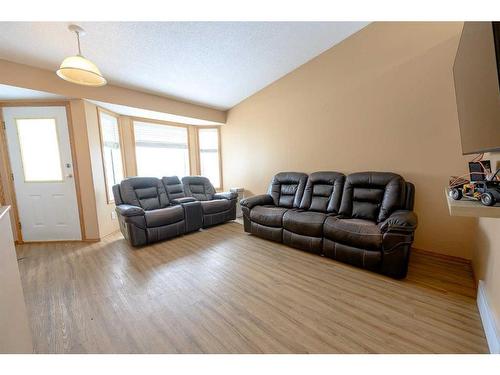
x: 217, y: 64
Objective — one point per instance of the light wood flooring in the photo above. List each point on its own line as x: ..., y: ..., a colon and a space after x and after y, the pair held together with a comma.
x: 223, y: 291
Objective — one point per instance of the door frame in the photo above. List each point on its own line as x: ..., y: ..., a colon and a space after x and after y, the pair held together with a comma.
x: 6, y: 168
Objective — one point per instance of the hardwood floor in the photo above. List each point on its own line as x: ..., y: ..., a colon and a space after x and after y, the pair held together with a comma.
x: 223, y: 291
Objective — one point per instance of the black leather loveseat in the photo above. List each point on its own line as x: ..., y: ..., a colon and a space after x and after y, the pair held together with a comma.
x: 151, y: 210
x: 364, y: 219
x: 216, y: 207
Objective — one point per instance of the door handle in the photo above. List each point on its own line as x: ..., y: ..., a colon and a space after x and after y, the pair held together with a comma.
x: 69, y: 175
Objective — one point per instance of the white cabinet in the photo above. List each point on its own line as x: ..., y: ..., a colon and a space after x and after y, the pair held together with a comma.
x: 15, y: 334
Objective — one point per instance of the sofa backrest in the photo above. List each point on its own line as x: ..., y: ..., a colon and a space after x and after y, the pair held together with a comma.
x: 323, y: 192
x: 117, y: 194
x: 174, y: 187
x: 372, y: 195
x: 146, y: 192
x: 198, y: 187
x: 409, y: 196
x: 287, y: 189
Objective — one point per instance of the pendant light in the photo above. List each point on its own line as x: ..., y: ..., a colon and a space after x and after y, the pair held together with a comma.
x: 77, y: 69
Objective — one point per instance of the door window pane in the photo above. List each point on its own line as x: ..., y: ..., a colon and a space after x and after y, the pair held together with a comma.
x: 39, y: 146
x: 111, y: 151
x: 209, y: 155
x: 161, y: 150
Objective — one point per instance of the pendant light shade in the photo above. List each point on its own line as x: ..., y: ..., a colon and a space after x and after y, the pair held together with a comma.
x: 77, y: 69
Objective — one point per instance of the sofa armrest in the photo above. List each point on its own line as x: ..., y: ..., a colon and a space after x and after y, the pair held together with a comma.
x: 257, y: 200
x: 400, y: 221
x: 183, y: 200
x: 226, y: 195
x: 129, y: 210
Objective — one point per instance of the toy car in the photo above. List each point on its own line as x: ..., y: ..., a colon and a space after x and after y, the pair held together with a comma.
x: 487, y: 192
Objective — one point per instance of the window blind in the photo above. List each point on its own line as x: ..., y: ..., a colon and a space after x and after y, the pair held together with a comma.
x: 161, y: 150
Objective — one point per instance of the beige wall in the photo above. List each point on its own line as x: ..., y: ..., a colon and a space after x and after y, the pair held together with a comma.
x: 486, y: 257
x: 84, y: 165
x: 107, y: 224
x: 381, y: 100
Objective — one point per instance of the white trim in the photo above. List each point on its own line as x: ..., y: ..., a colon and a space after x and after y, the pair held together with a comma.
x: 491, y: 329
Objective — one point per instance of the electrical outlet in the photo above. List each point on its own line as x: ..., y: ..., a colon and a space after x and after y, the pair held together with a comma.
x: 113, y: 215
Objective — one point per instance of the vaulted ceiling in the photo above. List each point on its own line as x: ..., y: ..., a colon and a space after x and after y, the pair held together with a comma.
x: 216, y: 64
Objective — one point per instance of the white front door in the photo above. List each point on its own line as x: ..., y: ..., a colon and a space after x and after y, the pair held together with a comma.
x: 40, y: 157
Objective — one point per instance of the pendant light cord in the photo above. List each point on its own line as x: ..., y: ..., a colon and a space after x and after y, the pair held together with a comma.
x: 78, y: 40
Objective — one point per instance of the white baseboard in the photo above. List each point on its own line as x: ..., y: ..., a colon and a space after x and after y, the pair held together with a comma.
x: 491, y: 329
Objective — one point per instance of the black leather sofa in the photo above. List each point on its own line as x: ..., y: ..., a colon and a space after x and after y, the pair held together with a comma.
x: 151, y: 210
x: 365, y: 219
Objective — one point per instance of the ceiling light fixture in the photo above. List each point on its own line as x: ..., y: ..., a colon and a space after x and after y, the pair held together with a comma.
x: 77, y: 69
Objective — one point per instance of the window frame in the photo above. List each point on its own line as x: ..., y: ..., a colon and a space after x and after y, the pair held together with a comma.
x: 109, y: 200
x: 219, y: 151
x: 161, y: 123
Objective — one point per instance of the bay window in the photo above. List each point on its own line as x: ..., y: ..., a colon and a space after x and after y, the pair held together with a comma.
x: 209, y: 155
x: 161, y: 150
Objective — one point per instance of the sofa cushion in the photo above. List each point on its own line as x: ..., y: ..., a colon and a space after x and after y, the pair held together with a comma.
x: 323, y: 192
x: 117, y: 195
x: 352, y: 255
x: 299, y: 241
x: 174, y: 187
x: 164, y: 216
x: 164, y: 232
x: 264, y: 231
x: 215, y: 206
x: 363, y: 234
x: 198, y: 187
x: 146, y: 192
x: 287, y: 189
x: 372, y: 195
x: 270, y: 216
x: 307, y: 223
